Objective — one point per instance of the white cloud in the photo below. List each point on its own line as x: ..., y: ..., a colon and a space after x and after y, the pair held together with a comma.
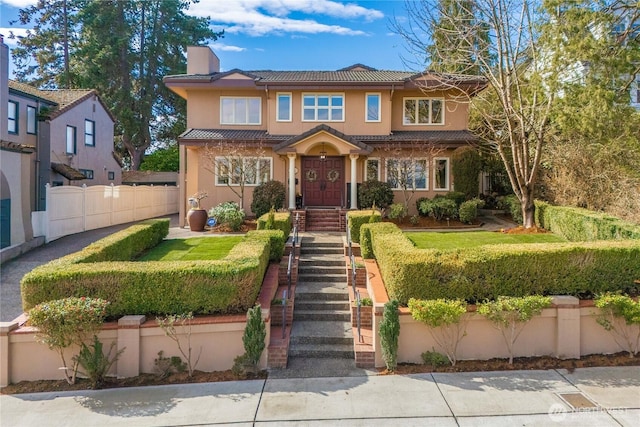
x: 226, y: 47
x: 260, y: 17
x: 18, y: 32
x: 20, y: 3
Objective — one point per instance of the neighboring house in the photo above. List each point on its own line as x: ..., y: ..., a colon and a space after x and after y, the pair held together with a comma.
x: 56, y: 137
x: 319, y: 132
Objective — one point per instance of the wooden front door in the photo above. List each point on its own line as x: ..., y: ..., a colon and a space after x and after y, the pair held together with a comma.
x: 322, y: 181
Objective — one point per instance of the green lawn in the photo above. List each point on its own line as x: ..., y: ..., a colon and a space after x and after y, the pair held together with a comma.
x: 197, y: 248
x: 471, y: 239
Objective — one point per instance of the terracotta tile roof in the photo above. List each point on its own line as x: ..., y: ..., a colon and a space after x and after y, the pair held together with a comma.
x: 19, y: 148
x: 201, y: 136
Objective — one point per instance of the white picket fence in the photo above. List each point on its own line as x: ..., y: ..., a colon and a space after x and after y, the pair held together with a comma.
x: 75, y: 209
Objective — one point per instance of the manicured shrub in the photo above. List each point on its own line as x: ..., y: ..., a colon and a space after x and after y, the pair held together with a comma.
x: 445, y: 320
x: 475, y: 274
x: 389, y: 331
x: 439, y: 208
x: 466, y: 165
x: 397, y: 211
x: 355, y: 219
x: 366, y: 250
x: 65, y: 322
x: 276, y: 240
x: 419, y: 201
x: 228, y: 214
x: 230, y: 285
x: 576, y: 224
x: 456, y: 196
x: 620, y: 315
x: 468, y: 211
x: 511, y: 314
x: 281, y: 221
x: 375, y: 193
x: 268, y: 195
x: 254, y: 336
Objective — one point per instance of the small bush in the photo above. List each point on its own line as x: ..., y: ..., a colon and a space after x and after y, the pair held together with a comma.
x: 375, y: 194
x: 620, y: 315
x: 254, y: 336
x: 165, y: 366
x: 468, y: 211
x: 389, y: 333
x: 414, y: 220
x: 434, y: 359
x: 355, y: 220
x: 456, y: 196
x: 281, y: 221
x: 513, y: 206
x: 95, y: 363
x: 65, y: 322
x: 268, y: 195
x: 419, y: 201
x: 439, y: 208
x: 228, y: 214
x: 397, y: 211
x: 170, y: 325
x: 445, y: 320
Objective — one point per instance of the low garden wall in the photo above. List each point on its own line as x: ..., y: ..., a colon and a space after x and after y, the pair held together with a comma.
x: 566, y: 330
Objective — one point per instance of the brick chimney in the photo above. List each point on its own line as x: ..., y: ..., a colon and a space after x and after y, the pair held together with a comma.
x: 202, y: 60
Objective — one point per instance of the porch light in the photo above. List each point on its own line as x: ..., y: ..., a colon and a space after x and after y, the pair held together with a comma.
x: 323, y: 153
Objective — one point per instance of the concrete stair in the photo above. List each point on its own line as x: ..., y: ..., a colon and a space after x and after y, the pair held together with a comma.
x: 323, y: 220
x: 321, y: 319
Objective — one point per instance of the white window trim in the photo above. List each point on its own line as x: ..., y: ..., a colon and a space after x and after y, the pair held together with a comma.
x: 329, y: 94
x: 93, y: 135
x: 447, y: 175
x: 74, y: 142
x: 366, y: 168
x: 15, y: 119
x: 220, y: 159
x: 278, y: 95
x: 222, y: 122
x: 426, y: 172
x: 366, y: 107
x: 416, y: 98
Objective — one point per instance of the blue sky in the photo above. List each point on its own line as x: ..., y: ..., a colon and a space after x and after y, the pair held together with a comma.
x: 291, y: 34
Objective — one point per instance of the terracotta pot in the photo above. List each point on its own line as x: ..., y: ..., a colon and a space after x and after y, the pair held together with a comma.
x: 197, y: 218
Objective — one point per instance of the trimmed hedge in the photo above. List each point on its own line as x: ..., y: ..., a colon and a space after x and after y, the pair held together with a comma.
x: 576, y: 224
x: 282, y: 221
x: 230, y: 285
x: 355, y: 219
x: 366, y: 248
x: 276, y: 240
x: 476, y: 274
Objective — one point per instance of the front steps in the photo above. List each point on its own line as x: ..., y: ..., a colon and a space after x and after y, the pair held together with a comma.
x: 323, y: 220
x: 321, y: 341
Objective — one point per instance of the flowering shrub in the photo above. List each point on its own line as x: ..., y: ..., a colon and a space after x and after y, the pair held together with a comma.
x: 229, y: 214
x: 65, y: 322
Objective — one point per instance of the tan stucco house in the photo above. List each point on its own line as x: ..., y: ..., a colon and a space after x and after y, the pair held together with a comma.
x: 55, y: 137
x: 319, y: 132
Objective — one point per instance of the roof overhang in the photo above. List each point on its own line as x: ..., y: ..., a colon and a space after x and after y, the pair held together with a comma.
x: 321, y: 134
x: 68, y: 172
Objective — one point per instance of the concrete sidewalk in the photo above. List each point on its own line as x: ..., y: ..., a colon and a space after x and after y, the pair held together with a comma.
x: 524, y: 398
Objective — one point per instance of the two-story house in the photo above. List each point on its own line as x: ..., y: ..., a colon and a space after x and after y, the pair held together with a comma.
x: 55, y: 137
x: 320, y: 132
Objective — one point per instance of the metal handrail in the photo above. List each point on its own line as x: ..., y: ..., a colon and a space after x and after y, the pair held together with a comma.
x: 353, y: 274
x: 289, y: 269
x: 284, y: 313
x: 358, y: 315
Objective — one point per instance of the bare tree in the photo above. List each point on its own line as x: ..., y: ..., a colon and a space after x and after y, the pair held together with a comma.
x: 496, y: 40
x: 237, y: 164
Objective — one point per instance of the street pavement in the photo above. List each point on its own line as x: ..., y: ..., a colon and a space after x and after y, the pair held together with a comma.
x: 507, y: 398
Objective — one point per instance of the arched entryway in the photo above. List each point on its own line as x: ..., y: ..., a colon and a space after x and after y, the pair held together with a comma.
x: 323, y: 182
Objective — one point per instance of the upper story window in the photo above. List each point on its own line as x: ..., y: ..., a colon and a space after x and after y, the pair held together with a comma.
x: 441, y: 173
x: 13, y: 117
x: 373, y: 107
x: 423, y: 111
x: 90, y: 133
x: 284, y: 107
x: 407, y: 174
x: 31, y: 120
x: 240, y: 111
x: 88, y: 173
x: 253, y: 170
x: 372, y: 170
x: 71, y: 140
x: 322, y: 107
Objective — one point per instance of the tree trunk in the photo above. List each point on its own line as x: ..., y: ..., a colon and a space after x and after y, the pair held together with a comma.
x: 528, y: 209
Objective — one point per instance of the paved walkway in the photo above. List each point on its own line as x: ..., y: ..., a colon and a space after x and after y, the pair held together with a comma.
x: 523, y: 398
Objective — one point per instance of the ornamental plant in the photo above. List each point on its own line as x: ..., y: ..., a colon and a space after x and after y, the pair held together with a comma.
x: 446, y: 321
x: 254, y: 335
x: 95, y: 363
x: 67, y: 322
x: 228, y: 214
x: 439, y: 208
x: 268, y: 195
x: 511, y: 314
x: 389, y: 334
x: 177, y: 326
x: 620, y: 315
x: 375, y: 193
